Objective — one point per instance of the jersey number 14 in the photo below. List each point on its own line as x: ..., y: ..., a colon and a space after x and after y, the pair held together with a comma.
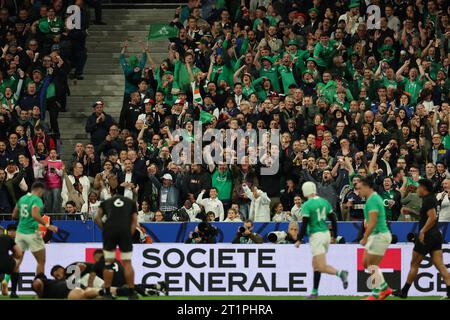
x: 321, y: 214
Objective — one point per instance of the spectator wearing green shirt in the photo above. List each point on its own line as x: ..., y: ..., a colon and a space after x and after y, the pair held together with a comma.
x: 325, y: 50
x: 51, y: 27
x: 412, y: 84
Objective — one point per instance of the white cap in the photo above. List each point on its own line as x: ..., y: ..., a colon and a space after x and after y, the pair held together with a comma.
x: 309, y: 188
x: 142, y: 117
x: 167, y: 176
x: 146, y: 100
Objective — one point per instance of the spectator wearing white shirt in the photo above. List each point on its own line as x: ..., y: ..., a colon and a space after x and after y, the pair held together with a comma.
x: 192, y: 209
x: 77, y: 176
x: 90, y: 208
x: 278, y: 214
x: 296, y: 213
x: 145, y: 215
x: 232, y: 216
x: 211, y: 204
x: 444, y: 199
x: 260, y: 204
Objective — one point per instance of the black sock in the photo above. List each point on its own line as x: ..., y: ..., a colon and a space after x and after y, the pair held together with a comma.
x: 122, y: 292
x: 107, y: 291
x: 448, y: 291
x: 405, y: 288
x: 130, y: 291
x: 316, y: 280
x: 14, y: 281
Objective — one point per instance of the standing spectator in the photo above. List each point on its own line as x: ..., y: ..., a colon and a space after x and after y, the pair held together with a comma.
x: 53, y: 174
x: 98, y: 124
x: 260, y: 203
x: 169, y: 194
x: 81, y: 183
x: 89, y: 209
x: 211, y: 204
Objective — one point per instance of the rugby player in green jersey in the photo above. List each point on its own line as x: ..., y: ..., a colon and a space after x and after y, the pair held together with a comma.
x: 315, y: 211
x: 376, y: 238
x: 28, y: 210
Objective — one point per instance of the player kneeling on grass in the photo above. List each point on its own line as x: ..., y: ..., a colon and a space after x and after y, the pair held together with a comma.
x: 429, y: 240
x: 376, y: 238
x: 315, y: 212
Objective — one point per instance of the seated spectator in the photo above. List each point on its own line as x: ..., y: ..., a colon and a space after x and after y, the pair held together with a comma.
x: 159, y: 216
x: 232, y: 216
x: 89, y: 208
x: 145, y: 215
x: 71, y: 211
x: 278, y: 215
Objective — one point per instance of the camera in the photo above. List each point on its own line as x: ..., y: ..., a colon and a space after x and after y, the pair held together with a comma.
x: 241, y: 229
x: 195, y: 235
x: 207, y: 230
x: 411, y: 237
x: 277, y: 236
x: 180, y: 215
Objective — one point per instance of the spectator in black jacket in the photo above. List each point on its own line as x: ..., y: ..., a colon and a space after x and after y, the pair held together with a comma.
x: 98, y: 124
x: 196, y: 181
x: 112, y: 141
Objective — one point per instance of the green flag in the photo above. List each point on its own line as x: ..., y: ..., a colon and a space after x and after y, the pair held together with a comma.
x: 205, y: 117
x: 162, y: 31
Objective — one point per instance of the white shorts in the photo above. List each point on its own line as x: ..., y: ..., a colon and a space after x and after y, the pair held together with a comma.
x: 32, y: 242
x: 320, y: 242
x: 98, y: 282
x: 378, y: 243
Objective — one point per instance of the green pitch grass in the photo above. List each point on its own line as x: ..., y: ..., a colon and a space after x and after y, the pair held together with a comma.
x: 243, y: 298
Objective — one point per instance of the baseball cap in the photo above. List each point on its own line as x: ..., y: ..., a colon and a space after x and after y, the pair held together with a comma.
x: 148, y: 100
x: 309, y: 188
x: 179, y: 101
x: 167, y: 176
x: 11, y: 162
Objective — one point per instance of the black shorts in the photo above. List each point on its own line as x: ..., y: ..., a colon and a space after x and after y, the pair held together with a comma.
x: 7, y: 264
x: 433, y: 242
x: 117, y: 237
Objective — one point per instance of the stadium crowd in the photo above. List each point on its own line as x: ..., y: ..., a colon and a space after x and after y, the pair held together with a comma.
x: 352, y: 95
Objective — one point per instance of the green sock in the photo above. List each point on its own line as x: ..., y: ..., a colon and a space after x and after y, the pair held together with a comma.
x: 338, y: 273
x: 384, y: 286
x: 376, y: 293
x: 315, y: 291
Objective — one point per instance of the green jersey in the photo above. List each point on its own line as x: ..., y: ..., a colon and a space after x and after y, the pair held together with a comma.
x: 316, y: 209
x: 375, y: 203
x: 27, y: 224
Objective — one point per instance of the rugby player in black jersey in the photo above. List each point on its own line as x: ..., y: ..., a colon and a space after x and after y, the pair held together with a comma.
x: 117, y: 217
x: 429, y: 240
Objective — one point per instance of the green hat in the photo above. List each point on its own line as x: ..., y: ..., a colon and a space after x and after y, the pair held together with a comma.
x: 353, y: 4
x: 313, y: 9
x: 311, y: 59
x: 386, y: 48
x: 266, y: 58
x: 308, y: 71
x: 293, y: 42
x: 167, y: 72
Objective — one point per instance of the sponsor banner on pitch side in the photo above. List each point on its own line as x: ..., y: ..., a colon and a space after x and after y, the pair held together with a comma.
x: 227, y: 269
